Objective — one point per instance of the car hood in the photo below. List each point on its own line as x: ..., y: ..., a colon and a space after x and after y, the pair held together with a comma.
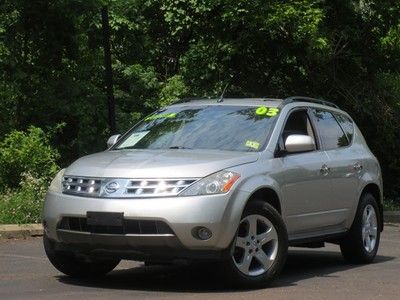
x: 158, y: 163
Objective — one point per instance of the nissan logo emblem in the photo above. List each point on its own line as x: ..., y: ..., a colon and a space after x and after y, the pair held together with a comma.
x: 112, y: 187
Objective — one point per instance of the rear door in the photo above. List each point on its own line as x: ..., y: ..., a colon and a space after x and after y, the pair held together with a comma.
x: 343, y: 166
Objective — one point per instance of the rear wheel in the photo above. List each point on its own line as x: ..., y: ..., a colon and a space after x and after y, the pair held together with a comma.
x: 260, y: 247
x: 74, y: 266
x: 362, y: 242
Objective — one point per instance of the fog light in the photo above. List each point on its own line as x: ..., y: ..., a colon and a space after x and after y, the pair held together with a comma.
x: 202, y: 233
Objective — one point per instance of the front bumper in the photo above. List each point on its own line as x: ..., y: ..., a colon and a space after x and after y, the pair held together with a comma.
x: 216, y: 212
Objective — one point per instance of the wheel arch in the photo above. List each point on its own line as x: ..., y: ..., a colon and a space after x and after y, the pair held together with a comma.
x: 255, y: 188
x: 268, y: 195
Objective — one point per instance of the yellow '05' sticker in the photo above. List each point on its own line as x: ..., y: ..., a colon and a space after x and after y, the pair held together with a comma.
x: 252, y: 144
x: 267, y: 111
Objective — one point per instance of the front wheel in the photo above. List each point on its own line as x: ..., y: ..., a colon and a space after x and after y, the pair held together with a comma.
x: 73, y: 266
x: 260, y: 247
x: 362, y: 242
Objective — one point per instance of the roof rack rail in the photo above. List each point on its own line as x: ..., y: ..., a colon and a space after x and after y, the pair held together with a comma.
x: 188, y: 99
x: 307, y: 99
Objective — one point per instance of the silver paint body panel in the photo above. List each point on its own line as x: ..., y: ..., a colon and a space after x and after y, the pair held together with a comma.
x: 312, y: 204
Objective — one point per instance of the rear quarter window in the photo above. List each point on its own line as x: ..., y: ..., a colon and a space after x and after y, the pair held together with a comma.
x: 347, y: 125
x: 330, y: 132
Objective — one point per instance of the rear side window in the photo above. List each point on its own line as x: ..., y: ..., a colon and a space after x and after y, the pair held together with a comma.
x: 331, y: 134
x: 347, y: 126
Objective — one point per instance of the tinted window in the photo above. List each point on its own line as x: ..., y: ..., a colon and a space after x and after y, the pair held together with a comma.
x: 332, y: 136
x: 346, y: 124
x: 298, y: 123
x: 222, y: 127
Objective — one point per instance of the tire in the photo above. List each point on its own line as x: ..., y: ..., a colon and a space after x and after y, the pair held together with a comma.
x: 73, y: 266
x: 362, y: 241
x: 269, y: 245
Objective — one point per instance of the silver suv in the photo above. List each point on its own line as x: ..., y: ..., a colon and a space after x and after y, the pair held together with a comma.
x: 232, y: 181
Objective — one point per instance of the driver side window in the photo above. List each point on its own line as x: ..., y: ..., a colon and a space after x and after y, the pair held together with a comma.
x: 297, y: 123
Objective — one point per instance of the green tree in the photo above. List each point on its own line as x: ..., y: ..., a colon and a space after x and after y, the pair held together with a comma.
x: 52, y: 62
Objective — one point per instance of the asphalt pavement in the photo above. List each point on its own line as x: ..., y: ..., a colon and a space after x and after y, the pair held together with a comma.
x: 309, y: 274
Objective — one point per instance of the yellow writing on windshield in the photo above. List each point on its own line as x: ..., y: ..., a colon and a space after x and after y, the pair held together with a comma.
x: 161, y: 116
x: 267, y: 111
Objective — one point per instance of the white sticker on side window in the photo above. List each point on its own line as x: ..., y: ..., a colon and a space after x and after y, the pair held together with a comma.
x: 133, y: 139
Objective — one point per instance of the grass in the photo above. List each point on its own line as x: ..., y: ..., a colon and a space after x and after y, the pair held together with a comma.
x: 20, y: 207
x: 24, y: 204
x: 391, y: 205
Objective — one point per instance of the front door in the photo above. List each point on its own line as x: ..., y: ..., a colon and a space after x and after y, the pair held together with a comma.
x: 305, y: 190
x: 304, y: 179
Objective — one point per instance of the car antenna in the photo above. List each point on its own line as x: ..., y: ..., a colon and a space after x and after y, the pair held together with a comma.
x: 221, y: 98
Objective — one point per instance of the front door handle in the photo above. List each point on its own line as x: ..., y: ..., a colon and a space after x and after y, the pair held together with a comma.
x: 325, y: 170
x: 357, y: 167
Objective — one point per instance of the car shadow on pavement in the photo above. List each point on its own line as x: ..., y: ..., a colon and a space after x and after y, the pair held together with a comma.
x: 202, y: 278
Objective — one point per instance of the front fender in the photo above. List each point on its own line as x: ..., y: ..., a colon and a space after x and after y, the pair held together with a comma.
x: 255, y: 183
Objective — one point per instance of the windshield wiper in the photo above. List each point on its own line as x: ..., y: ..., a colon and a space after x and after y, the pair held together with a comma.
x: 178, y: 147
x: 133, y: 147
x: 124, y: 148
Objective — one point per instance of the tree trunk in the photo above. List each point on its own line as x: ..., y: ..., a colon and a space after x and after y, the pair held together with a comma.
x: 108, y: 78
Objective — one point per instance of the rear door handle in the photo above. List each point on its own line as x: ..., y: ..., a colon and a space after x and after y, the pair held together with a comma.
x: 357, y: 167
x: 325, y: 170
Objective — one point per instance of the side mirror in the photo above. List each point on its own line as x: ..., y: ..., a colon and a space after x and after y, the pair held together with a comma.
x: 112, y: 140
x: 299, y: 143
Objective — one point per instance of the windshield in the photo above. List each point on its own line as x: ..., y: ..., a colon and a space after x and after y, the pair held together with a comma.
x: 220, y: 127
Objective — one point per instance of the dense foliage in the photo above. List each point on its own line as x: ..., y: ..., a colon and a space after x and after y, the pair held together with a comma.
x: 23, y: 204
x: 27, y: 165
x: 51, y: 63
x: 26, y: 152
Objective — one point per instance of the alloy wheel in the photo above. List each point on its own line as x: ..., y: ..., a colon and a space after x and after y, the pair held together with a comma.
x: 256, y: 245
x: 369, y: 228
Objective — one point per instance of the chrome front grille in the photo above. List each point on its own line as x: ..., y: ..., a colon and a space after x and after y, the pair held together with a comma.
x: 76, y: 185
x: 157, y: 187
x: 124, y: 188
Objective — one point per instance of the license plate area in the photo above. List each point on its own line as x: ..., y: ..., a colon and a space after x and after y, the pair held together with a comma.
x: 114, y: 219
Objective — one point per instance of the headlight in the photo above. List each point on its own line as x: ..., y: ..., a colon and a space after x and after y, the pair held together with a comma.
x: 217, y: 183
x: 56, y: 183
